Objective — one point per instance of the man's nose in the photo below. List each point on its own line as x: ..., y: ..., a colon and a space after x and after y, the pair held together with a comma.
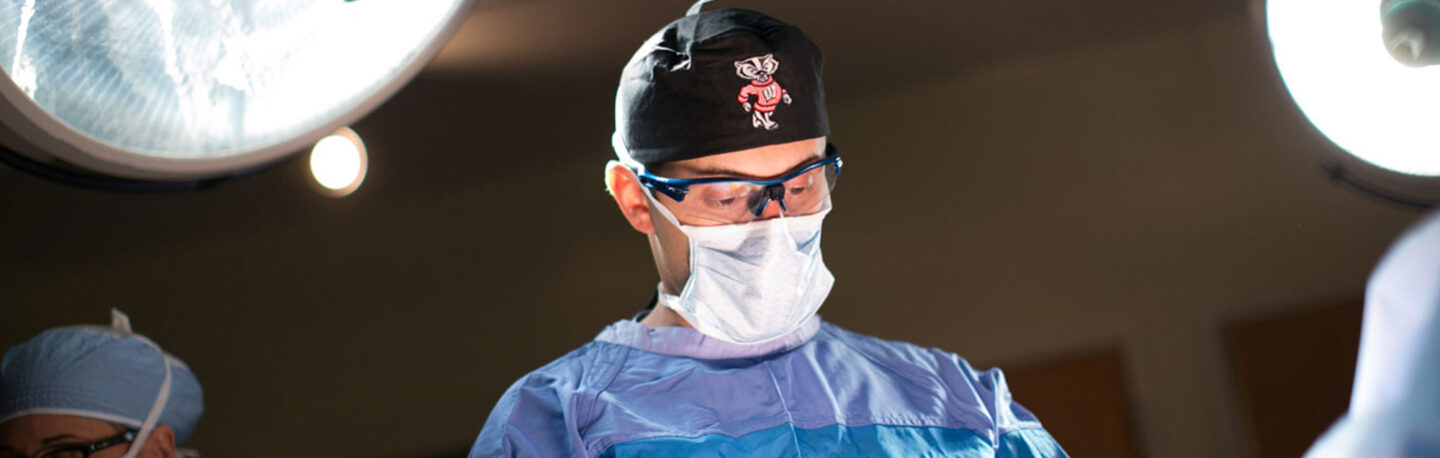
x: 772, y: 209
x: 774, y: 199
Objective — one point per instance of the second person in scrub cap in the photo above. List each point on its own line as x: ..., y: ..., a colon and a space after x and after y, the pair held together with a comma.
x: 723, y: 162
x: 96, y: 392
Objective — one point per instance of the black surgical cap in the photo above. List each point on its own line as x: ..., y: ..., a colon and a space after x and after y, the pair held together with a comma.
x: 679, y: 96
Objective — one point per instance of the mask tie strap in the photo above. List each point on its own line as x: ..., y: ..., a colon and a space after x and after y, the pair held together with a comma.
x: 664, y: 212
x: 695, y: 8
x: 156, y: 409
x: 689, y: 30
x: 120, y: 321
x: 153, y: 418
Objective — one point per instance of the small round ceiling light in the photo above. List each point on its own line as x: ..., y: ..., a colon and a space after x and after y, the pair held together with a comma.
x: 338, y: 163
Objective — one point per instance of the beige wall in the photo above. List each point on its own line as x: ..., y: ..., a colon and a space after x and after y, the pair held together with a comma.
x: 1142, y: 191
x: 1145, y: 191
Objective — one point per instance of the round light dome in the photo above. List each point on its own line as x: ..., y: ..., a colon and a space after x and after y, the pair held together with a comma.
x: 1333, y: 60
x: 165, y: 90
x: 338, y: 163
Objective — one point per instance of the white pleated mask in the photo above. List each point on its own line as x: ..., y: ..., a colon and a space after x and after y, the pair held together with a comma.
x: 752, y: 282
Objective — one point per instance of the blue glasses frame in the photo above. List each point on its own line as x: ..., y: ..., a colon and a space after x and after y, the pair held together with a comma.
x: 677, y: 188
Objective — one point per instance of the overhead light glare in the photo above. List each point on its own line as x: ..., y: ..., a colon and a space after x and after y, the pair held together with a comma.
x: 338, y: 163
x: 1337, y: 67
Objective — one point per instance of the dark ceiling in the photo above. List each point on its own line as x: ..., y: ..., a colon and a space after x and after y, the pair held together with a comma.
x: 868, y: 44
x: 516, y: 70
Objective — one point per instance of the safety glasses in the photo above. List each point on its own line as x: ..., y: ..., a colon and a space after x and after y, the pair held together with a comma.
x: 84, y: 451
x: 726, y: 200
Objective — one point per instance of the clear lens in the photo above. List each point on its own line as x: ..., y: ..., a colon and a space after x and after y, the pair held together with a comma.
x: 732, y: 202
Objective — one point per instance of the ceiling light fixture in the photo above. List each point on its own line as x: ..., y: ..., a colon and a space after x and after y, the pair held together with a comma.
x: 128, y: 93
x: 1363, y: 82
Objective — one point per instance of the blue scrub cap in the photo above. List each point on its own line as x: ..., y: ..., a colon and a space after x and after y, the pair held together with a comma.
x: 105, y: 373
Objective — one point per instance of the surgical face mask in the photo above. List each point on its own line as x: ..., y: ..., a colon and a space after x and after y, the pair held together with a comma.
x: 752, y: 282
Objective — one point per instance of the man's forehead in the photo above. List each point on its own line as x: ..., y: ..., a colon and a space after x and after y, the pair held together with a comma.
x: 763, y: 162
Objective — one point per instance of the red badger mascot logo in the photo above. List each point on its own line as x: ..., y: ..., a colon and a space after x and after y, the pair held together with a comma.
x: 760, y: 70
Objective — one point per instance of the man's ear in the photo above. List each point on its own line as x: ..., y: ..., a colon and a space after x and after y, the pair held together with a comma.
x: 630, y: 196
x: 161, y: 443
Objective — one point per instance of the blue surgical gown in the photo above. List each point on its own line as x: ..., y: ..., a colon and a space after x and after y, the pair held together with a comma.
x: 818, y: 391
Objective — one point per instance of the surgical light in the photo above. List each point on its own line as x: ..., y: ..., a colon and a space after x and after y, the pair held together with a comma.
x: 338, y: 163
x: 159, y: 90
x: 1412, y: 30
x: 1336, y: 62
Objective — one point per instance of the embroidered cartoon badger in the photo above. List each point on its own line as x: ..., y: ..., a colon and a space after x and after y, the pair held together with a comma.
x: 768, y: 93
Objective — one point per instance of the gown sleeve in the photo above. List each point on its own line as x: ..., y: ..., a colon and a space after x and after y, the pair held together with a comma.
x: 532, y: 419
x: 1018, y: 433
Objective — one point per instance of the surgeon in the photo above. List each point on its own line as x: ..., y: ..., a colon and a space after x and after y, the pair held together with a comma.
x: 96, y: 392
x: 1395, y: 402
x: 724, y: 164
